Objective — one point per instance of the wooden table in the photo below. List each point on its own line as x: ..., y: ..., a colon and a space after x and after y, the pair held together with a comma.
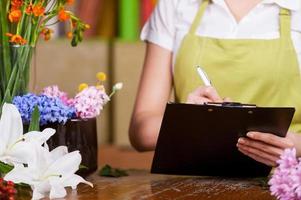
x: 141, y: 185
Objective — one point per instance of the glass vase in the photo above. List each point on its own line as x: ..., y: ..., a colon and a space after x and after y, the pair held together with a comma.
x: 15, y: 63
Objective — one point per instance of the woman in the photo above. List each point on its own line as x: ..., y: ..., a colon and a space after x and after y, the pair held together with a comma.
x: 251, y: 51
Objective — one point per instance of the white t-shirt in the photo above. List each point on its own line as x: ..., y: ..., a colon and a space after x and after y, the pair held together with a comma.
x: 171, y: 21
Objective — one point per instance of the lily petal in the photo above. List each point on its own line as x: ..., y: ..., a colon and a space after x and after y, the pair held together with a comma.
x: 59, y: 152
x: 21, y: 152
x: 39, y: 137
x: 57, y: 190
x: 11, y: 127
x: 20, y: 174
x: 67, y: 164
x: 40, y: 190
x: 42, y: 161
x: 37, y: 194
x: 74, y: 180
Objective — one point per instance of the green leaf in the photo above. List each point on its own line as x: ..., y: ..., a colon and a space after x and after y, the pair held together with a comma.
x: 23, y: 191
x: 108, y: 171
x: 7, y: 95
x: 7, y: 98
x: 4, y: 39
x: 5, y: 168
x: 83, y: 167
x: 74, y: 41
x: 35, y: 120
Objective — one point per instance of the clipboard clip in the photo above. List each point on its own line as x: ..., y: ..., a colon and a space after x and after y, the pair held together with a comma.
x: 231, y: 104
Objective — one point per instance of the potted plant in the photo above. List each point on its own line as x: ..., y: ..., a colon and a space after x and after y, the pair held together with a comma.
x: 74, y: 119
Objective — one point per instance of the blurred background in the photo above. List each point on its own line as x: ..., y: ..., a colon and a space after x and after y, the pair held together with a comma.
x: 111, y: 45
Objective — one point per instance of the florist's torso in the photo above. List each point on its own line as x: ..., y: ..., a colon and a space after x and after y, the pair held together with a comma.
x: 244, y: 63
x: 172, y: 19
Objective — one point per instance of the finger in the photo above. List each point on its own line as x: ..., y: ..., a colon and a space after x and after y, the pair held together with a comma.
x: 192, y: 99
x: 262, y: 146
x: 227, y: 99
x: 257, y: 158
x: 259, y: 154
x: 296, y: 139
x: 208, y: 92
x: 271, y: 139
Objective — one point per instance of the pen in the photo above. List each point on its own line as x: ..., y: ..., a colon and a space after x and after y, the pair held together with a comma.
x: 203, y: 76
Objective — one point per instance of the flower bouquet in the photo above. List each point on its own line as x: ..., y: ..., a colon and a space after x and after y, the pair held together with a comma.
x: 26, y: 160
x: 21, y: 24
x: 285, y: 183
x: 74, y: 119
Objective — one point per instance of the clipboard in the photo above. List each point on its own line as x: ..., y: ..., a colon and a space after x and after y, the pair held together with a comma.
x: 201, y: 139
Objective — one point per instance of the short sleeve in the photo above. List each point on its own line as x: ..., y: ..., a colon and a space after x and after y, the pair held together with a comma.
x: 160, y: 28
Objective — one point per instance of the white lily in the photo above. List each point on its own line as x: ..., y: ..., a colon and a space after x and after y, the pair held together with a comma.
x: 16, y: 148
x: 51, y: 173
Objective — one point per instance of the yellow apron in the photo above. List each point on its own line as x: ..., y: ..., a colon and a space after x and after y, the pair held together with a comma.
x: 256, y: 71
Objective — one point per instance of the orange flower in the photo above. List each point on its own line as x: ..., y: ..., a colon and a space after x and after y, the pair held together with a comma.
x: 38, y: 10
x: 69, y: 35
x: 9, y: 34
x: 14, y: 16
x: 87, y: 26
x: 17, y: 39
x: 63, y: 15
x: 29, y: 9
x: 47, y: 32
x: 16, y: 4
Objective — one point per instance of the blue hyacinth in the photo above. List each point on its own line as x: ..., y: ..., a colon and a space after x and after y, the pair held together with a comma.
x: 51, y: 109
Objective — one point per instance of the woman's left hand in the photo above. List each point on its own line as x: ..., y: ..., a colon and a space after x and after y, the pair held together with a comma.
x: 265, y: 147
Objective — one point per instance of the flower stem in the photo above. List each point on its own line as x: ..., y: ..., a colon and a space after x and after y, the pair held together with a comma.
x: 5, y: 44
x: 112, y: 93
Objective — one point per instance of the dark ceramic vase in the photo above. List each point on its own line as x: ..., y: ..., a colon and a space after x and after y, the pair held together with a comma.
x: 77, y: 134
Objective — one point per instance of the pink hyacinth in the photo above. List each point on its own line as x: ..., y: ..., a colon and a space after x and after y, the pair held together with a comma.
x: 285, y: 183
x: 54, y: 91
x: 90, y: 101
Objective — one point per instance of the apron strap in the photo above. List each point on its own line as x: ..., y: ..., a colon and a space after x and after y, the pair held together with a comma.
x: 198, y: 17
x: 285, y: 23
x: 285, y: 20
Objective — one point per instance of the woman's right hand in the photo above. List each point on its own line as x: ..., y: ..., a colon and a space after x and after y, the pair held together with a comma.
x: 204, y: 94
